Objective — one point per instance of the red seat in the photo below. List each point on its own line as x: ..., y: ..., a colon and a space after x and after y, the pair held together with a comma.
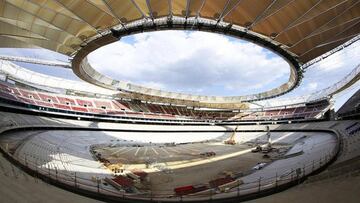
x: 29, y: 94
x: 82, y: 102
x: 77, y: 108
x: 65, y: 100
x: 101, y: 104
x: 46, y: 104
x: 45, y: 97
x: 62, y: 106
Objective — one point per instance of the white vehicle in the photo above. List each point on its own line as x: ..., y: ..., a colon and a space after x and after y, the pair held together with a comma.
x: 259, y: 166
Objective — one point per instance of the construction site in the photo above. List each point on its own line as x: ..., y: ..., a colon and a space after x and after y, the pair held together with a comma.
x: 166, y: 168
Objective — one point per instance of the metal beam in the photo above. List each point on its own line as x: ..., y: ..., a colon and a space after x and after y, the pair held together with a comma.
x: 35, y: 61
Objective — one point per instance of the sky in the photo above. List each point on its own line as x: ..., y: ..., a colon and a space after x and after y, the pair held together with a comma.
x: 192, y: 62
x: 200, y: 63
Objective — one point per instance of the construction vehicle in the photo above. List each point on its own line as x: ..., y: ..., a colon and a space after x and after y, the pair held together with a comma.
x: 208, y: 154
x: 231, y: 140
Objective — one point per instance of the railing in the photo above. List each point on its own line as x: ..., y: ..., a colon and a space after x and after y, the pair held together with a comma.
x: 73, y: 181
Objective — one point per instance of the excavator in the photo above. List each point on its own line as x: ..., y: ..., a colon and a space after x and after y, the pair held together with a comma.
x: 231, y: 140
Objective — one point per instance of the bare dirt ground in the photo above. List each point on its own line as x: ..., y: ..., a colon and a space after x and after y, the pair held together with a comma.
x: 195, y: 169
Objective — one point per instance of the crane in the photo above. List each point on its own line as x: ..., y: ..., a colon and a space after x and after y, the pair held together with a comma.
x: 231, y: 140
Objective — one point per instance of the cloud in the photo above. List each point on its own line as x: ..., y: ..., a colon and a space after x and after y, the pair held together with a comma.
x: 346, y: 58
x: 312, y: 86
x: 337, y: 61
x: 195, y: 62
x: 328, y: 71
x: 154, y: 85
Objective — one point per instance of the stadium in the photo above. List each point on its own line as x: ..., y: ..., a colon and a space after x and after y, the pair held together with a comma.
x: 79, y: 126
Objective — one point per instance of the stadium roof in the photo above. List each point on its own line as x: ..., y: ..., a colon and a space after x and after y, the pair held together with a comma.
x: 305, y: 28
x: 298, y: 30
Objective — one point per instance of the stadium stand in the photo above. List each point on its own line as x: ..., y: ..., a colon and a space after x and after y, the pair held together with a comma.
x: 66, y: 102
x: 303, y: 112
x: 64, y: 160
x: 135, y: 108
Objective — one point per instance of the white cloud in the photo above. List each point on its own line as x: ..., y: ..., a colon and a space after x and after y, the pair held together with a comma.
x: 192, y: 62
x: 337, y: 61
x: 328, y: 71
x: 153, y: 85
x: 312, y: 86
x: 347, y: 58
